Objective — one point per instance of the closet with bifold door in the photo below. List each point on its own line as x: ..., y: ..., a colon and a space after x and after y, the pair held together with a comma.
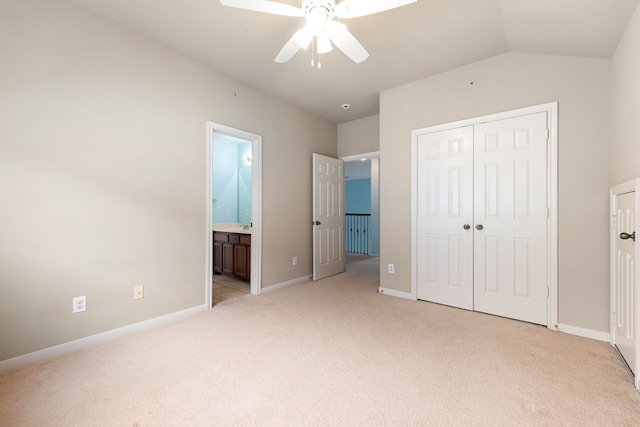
x: 482, y: 224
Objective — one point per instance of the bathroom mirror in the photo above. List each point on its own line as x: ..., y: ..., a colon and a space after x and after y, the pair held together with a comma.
x: 231, y: 163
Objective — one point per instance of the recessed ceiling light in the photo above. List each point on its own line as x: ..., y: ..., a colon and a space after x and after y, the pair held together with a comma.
x: 345, y: 106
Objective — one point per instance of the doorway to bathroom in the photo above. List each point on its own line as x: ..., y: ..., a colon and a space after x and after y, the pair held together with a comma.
x: 234, y: 195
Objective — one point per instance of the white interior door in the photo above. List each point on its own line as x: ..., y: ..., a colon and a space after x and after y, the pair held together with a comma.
x: 445, y: 199
x: 510, y: 245
x: 328, y: 216
x: 624, y: 294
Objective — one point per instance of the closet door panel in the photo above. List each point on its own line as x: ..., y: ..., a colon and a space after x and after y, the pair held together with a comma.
x: 445, y: 205
x: 510, y: 213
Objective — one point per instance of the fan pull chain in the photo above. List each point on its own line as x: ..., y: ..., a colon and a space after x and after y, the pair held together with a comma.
x: 313, y: 54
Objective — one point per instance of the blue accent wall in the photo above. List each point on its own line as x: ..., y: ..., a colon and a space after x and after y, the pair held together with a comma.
x: 225, y: 180
x: 231, y: 184
x: 358, y: 196
x: 244, y: 182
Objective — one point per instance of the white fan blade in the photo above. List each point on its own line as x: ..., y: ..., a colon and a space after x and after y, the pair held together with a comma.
x: 356, y: 8
x: 349, y: 46
x: 289, y: 49
x: 265, y: 6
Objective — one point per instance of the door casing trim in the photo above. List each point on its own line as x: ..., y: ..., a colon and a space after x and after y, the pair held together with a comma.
x: 256, y: 206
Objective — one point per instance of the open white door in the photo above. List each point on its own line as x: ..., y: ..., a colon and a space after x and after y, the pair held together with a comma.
x: 624, y: 280
x: 328, y: 216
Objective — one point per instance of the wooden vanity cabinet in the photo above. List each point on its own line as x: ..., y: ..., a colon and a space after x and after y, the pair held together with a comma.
x: 232, y: 254
x: 227, y: 258
x: 240, y: 261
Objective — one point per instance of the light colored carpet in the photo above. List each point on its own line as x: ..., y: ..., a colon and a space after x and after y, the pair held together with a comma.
x: 333, y: 352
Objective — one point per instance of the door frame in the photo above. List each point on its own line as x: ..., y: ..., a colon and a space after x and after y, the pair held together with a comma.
x: 374, y: 156
x: 551, y: 109
x: 626, y: 187
x: 256, y: 206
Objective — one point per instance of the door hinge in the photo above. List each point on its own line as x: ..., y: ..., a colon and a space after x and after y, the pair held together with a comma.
x: 613, y: 318
x: 614, y: 225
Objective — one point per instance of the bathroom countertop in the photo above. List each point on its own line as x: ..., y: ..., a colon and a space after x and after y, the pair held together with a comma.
x: 230, y: 228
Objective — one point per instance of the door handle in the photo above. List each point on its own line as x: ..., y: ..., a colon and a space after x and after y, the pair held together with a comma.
x: 315, y: 223
x: 625, y: 236
x: 466, y: 226
x: 479, y: 227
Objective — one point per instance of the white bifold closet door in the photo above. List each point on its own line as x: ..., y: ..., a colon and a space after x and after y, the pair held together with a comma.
x: 445, y: 217
x: 482, y: 217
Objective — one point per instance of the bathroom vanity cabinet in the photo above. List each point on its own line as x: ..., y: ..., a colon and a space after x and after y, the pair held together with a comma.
x: 232, y: 254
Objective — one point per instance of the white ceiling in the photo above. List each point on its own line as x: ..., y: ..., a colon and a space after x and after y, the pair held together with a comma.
x: 405, y: 44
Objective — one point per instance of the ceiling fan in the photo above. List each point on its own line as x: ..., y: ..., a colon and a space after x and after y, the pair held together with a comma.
x: 320, y: 24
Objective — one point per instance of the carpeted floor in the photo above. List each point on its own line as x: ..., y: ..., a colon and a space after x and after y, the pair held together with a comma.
x: 332, y: 352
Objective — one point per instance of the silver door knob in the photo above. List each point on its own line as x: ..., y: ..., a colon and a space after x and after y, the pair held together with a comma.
x: 466, y: 226
x: 625, y: 236
x: 479, y: 227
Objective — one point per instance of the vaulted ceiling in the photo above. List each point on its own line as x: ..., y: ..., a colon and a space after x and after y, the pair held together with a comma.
x: 405, y: 44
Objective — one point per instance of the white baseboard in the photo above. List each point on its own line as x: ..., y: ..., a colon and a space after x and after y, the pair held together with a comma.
x: 394, y: 293
x: 81, y: 343
x: 285, y: 284
x: 586, y: 333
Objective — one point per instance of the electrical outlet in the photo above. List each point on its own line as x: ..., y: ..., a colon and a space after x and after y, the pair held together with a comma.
x: 392, y: 269
x: 295, y: 260
x: 227, y: 212
x: 138, y: 292
x: 79, y: 304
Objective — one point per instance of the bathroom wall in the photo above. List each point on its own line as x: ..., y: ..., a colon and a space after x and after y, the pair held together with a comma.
x: 244, y: 182
x: 225, y: 179
x: 231, y: 164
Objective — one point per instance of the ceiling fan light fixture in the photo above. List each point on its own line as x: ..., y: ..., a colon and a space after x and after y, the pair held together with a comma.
x: 324, y: 44
x: 317, y: 18
x: 320, y: 15
x: 303, y: 36
x: 336, y: 31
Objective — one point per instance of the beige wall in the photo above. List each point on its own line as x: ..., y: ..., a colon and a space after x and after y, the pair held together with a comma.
x: 102, y: 175
x: 625, y: 69
x: 501, y: 83
x: 359, y: 136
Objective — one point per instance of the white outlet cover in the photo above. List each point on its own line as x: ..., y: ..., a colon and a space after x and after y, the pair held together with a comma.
x: 79, y: 304
x: 138, y: 292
